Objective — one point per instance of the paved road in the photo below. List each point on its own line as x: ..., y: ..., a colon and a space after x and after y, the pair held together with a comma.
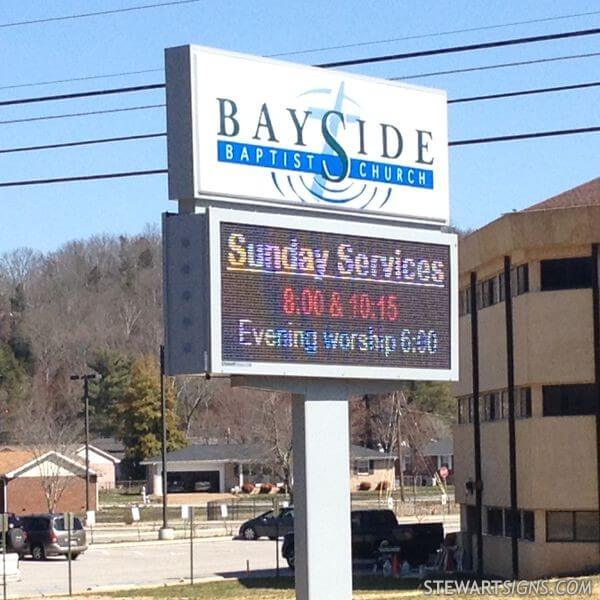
x: 154, y: 563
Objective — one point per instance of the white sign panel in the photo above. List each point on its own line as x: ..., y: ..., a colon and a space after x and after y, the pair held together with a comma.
x: 243, y: 128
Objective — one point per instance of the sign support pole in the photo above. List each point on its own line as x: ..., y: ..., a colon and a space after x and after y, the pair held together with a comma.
x: 322, y: 545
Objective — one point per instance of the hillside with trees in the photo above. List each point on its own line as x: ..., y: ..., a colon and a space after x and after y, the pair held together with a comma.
x: 96, y: 306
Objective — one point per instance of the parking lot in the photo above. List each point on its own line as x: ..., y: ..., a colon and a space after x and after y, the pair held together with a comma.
x: 146, y: 563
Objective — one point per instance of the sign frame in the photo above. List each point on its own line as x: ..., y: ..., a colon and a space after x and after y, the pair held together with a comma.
x: 187, y: 152
x: 335, y: 371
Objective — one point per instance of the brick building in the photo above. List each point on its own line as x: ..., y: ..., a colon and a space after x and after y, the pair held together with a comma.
x: 33, y: 483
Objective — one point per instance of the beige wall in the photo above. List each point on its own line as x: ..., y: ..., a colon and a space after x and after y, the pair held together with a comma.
x: 464, y: 462
x: 556, y: 463
x: 497, y: 558
x: 381, y: 472
x: 553, y: 345
x: 106, y: 475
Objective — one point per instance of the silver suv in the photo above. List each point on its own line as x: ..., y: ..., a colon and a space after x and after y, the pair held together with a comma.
x: 47, y: 535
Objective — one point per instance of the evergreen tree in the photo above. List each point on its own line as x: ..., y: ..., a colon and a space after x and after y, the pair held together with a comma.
x: 139, y: 413
x: 114, y: 369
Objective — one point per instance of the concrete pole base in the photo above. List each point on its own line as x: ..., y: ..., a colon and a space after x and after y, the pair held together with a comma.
x: 166, y: 533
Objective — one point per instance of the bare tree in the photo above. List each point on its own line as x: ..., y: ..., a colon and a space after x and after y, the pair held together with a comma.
x: 49, y: 430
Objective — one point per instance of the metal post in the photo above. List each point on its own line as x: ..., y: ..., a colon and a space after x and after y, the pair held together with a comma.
x: 191, y: 545
x: 69, y: 518
x: 512, y: 435
x: 476, y: 423
x: 4, y: 531
x: 596, y: 325
x: 86, y: 401
x: 277, y: 548
x: 399, y: 438
x: 163, y: 421
x: 165, y: 532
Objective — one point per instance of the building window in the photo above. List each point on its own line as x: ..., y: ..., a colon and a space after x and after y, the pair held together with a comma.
x: 363, y: 467
x: 528, y: 525
x: 523, y: 403
x: 501, y: 287
x: 522, y: 279
x: 586, y: 526
x: 465, y: 302
x: 566, y: 273
x: 569, y: 400
x: 512, y: 521
x: 566, y: 526
x: 494, y: 521
x: 465, y: 410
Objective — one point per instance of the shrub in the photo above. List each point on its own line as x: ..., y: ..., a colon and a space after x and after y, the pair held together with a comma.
x: 247, y: 487
x: 364, y: 486
x: 382, y: 486
x: 266, y: 488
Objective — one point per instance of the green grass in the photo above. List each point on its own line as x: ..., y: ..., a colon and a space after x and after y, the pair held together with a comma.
x: 365, y: 588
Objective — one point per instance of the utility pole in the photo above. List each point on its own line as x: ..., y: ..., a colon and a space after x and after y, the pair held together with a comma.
x: 165, y: 532
x: 86, y: 401
x: 399, y: 437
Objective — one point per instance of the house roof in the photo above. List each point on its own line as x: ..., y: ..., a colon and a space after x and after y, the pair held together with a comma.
x: 81, y: 453
x: 586, y: 194
x: 214, y: 453
x: 360, y: 452
x: 443, y: 447
x: 13, y: 462
x: 111, y: 445
x: 12, y: 458
x: 242, y: 453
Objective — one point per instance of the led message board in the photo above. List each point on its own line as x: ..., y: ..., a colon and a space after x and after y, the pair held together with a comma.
x: 371, y: 301
x: 245, y: 129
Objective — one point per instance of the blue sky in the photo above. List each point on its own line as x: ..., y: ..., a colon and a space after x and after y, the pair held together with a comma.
x: 486, y: 180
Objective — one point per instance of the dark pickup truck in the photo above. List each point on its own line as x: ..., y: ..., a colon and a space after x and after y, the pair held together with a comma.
x: 372, y: 527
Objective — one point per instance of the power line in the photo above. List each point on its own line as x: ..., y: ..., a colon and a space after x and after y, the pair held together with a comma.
x: 106, y: 92
x: 374, y: 59
x: 312, y: 50
x: 499, y: 95
x: 463, y: 48
x: 86, y: 78
x: 524, y: 136
x: 125, y: 138
x: 83, y: 178
x: 488, y: 140
x: 97, y: 14
x: 496, y: 66
x: 81, y: 114
x: 560, y: 88
x: 435, y: 34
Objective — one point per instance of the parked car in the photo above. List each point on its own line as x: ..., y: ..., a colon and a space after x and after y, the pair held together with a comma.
x: 372, y: 528
x: 47, y: 535
x: 175, y: 486
x: 16, y: 537
x: 269, y: 525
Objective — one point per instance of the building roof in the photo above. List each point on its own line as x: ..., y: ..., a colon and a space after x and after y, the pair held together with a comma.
x: 587, y: 194
x: 15, y: 461
x: 80, y: 452
x: 360, y: 452
x: 111, y: 445
x: 13, y: 458
x: 568, y: 220
x: 242, y: 453
x: 443, y: 447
